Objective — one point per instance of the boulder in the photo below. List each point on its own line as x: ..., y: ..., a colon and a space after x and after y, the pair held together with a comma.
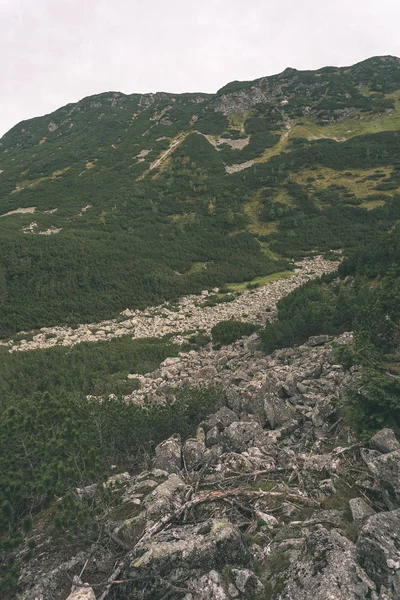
x: 360, y: 510
x: 193, y: 451
x: 247, y: 583
x: 183, y: 551
x: 386, y: 470
x: 327, y: 569
x: 240, y: 435
x: 378, y: 550
x: 277, y: 410
x: 222, y: 418
x: 82, y: 593
x: 168, y: 455
x: 385, y: 441
x: 165, y: 498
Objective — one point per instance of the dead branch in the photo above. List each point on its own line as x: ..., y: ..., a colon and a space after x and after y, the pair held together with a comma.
x: 340, y: 451
x: 110, y: 581
x: 218, y: 495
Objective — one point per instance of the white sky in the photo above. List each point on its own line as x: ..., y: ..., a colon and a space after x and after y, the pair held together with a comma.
x: 57, y: 51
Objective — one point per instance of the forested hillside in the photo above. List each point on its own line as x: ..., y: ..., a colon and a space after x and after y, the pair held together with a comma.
x: 132, y: 200
x: 120, y: 202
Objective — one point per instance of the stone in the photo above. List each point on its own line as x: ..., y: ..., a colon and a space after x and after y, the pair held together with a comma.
x: 360, y: 510
x: 247, y: 582
x: 327, y: 569
x: 222, y: 418
x: 82, y: 593
x: 319, y: 340
x: 378, y: 550
x: 386, y: 470
x: 208, y: 546
x: 385, y: 441
x: 168, y: 455
x: 241, y: 434
x: 165, y: 498
x: 193, y: 451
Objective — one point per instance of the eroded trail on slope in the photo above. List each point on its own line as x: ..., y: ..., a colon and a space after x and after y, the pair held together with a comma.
x: 189, y: 315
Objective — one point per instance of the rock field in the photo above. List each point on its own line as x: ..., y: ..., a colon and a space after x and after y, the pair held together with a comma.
x: 187, y: 315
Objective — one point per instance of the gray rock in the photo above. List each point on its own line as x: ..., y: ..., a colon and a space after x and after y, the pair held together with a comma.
x: 327, y: 569
x: 212, y: 437
x: 168, y: 455
x: 240, y: 435
x: 208, y: 546
x: 319, y: 340
x: 385, y: 441
x: 165, y: 498
x: 82, y: 593
x: 277, y: 410
x: 222, y: 418
x: 193, y: 451
x: 247, y: 583
x: 378, y: 550
x: 386, y: 470
x: 360, y: 510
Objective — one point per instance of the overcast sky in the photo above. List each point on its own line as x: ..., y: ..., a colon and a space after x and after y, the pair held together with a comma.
x: 58, y: 51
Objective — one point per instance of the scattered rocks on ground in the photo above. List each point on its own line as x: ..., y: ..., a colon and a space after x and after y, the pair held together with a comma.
x: 188, y: 315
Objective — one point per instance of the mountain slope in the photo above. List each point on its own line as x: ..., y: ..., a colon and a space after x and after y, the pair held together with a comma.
x: 132, y: 200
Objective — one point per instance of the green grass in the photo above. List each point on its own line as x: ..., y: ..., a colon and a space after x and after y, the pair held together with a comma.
x: 252, y: 210
x: 238, y: 287
x: 351, y: 127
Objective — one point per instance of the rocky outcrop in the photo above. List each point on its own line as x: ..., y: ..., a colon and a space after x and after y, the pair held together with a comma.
x: 327, y: 568
x: 386, y: 470
x: 385, y: 441
x: 378, y: 551
x: 168, y: 455
x: 185, y: 551
x: 270, y: 498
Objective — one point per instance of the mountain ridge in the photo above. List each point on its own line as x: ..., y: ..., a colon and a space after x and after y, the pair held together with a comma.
x: 215, y: 179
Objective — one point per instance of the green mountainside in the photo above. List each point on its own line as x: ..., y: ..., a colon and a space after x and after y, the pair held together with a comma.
x: 127, y: 201
x: 135, y: 199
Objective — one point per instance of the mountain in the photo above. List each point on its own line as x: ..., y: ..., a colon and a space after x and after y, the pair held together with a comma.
x: 234, y: 432
x: 130, y: 200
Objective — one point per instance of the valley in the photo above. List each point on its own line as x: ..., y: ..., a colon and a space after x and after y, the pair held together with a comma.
x: 181, y: 320
x: 199, y: 343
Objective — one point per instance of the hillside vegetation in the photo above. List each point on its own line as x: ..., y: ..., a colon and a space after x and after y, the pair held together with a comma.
x: 124, y: 196
x: 128, y: 201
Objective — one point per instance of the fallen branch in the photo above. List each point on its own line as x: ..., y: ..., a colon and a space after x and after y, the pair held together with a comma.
x: 218, y: 495
x: 339, y: 451
x: 110, y: 581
